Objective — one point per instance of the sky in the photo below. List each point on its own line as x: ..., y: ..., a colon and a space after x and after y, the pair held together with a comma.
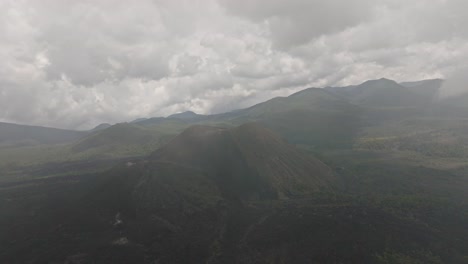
x: 75, y: 64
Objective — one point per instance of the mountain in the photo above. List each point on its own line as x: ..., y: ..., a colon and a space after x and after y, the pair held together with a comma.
x: 379, y: 93
x: 189, y: 200
x: 20, y: 135
x: 386, y: 184
x: 138, y: 120
x: 237, y: 195
x: 428, y: 90
x: 429, y: 84
x: 308, y: 99
x: 314, y: 117
x: 247, y: 161
x: 101, y: 127
x: 187, y: 115
x: 149, y: 121
x: 119, y: 139
x: 330, y: 117
x: 299, y: 118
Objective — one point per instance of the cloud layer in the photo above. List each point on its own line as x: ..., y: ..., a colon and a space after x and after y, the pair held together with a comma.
x: 74, y: 64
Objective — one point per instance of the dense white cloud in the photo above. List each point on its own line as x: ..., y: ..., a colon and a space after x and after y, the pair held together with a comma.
x: 298, y: 21
x: 75, y: 64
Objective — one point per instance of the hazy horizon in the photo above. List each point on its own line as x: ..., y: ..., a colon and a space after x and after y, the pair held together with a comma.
x: 78, y: 64
x: 288, y: 93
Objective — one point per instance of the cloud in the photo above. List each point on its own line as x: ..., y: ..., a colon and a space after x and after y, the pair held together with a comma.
x: 74, y: 64
x: 456, y: 83
x: 298, y: 21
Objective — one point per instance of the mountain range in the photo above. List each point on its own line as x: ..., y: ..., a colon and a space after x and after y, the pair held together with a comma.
x: 370, y: 173
x: 332, y: 117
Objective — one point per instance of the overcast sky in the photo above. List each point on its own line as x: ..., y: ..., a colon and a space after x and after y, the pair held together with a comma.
x: 75, y: 64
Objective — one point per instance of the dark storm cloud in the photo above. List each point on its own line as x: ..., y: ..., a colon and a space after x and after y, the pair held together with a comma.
x: 75, y: 64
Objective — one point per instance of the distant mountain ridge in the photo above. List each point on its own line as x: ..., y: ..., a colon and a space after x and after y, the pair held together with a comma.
x: 186, y: 115
x: 101, y: 127
x: 328, y: 117
x: 14, y: 134
x: 357, y: 93
x: 388, y: 93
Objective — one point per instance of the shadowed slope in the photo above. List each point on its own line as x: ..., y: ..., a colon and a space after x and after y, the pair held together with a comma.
x: 379, y: 93
x: 120, y: 140
x: 312, y: 99
x: 314, y: 117
x: 248, y: 161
